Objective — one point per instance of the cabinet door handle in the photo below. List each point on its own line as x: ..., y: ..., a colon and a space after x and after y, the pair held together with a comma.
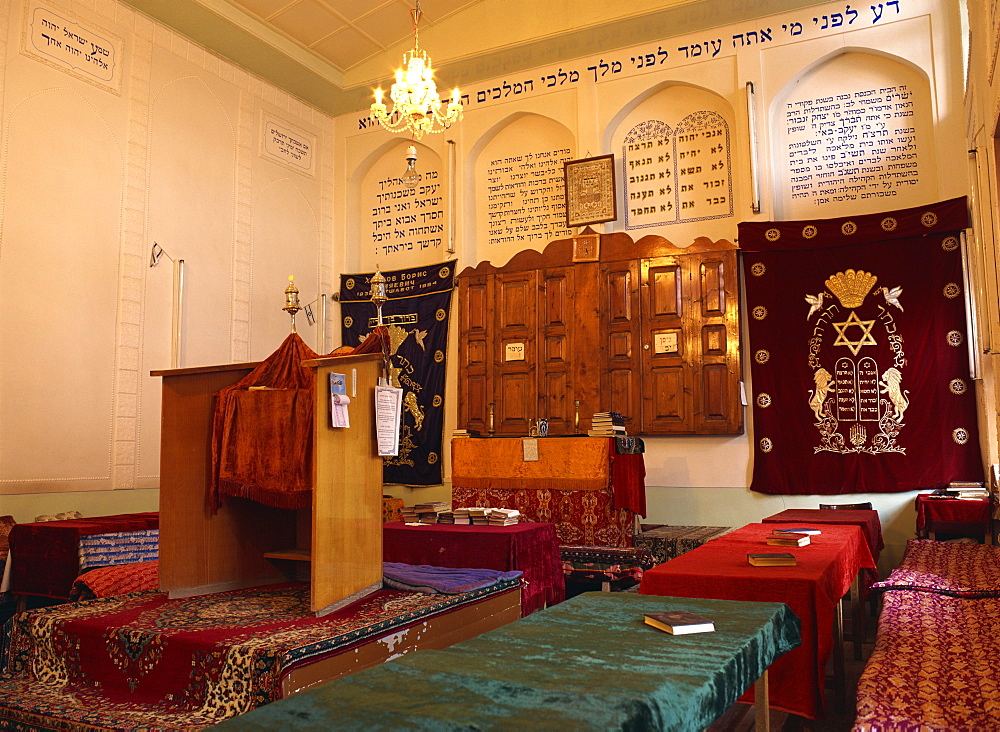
x: 645, y: 347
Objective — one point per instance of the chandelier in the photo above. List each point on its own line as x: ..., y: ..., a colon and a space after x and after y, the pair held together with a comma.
x: 416, y: 103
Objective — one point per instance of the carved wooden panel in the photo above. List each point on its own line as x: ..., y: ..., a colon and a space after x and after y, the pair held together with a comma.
x: 475, y: 351
x: 517, y: 355
x: 620, y: 301
x: 668, y: 393
x: 717, y: 394
x: 555, y: 395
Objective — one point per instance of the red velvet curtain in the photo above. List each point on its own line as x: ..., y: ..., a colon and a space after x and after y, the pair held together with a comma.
x: 859, y: 352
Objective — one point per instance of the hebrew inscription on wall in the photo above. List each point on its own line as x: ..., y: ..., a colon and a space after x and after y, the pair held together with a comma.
x: 525, y: 198
x: 73, y: 47
x: 677, y: 175
x: 852, y: 146
x: 406, y: 221
x: 286, y: 145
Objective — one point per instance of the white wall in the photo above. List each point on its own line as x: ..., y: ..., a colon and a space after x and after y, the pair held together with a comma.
x: 168, y: 144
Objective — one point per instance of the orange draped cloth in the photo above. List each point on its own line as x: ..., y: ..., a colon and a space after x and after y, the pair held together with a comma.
x: 262, y: 430
x: 579, y: 464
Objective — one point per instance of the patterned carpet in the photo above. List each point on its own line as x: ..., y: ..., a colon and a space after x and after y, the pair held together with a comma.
x: 145, y: 662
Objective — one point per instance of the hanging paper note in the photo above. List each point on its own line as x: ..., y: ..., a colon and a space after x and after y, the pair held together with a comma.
x: 338, y: 411
x: 339, y: 401
x: 388, y: 405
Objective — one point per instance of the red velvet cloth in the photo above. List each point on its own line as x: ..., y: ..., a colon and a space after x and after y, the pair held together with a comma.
x: 859, y: 354
x: 826, y: 568
x: 45, y: 555
x: 262, y: 432
x: 869, y: 522
x: 628, y: 481
x: 531, y: 548
x: 952, y: 515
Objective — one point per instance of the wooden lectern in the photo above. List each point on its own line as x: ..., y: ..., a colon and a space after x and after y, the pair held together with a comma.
x: 246, y: 544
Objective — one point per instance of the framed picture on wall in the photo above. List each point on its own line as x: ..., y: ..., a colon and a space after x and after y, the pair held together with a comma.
x: 590, y: 191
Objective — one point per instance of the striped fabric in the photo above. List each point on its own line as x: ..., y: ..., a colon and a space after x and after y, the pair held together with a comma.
x: 120, y: 547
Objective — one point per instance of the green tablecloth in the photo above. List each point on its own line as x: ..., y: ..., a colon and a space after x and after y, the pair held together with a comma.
x: 587, y: 663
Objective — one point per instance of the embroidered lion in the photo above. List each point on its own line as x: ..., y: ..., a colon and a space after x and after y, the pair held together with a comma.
x: 410, y: 405
x: 890, y: 386
x: 824, y: 382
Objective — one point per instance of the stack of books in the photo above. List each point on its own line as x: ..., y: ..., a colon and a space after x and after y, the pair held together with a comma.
x: 787, y: 538
x: 408, y: 514
x: 461, y: 516
x: 504, y: 516
x: 479, y: 516
x: 427, y: 513
x: 968, y: 490
x: 607, y: 424
x: 462, y: 434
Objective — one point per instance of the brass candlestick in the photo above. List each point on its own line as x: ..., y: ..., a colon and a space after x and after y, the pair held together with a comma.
x: 379, y: 295
x: 378, y: 298
x: 292, y: 299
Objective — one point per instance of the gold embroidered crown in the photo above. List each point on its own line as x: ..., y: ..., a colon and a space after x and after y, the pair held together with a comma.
x: 851, y: 287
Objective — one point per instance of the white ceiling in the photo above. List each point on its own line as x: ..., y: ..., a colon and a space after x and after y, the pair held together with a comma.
x: 332, y: 53
x: 345, y: 33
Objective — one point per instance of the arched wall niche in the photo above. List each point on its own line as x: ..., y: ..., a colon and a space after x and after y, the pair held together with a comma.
x: 515, y: 176
x: 397, y: 226
x: 60, y: 253
x: 853, y: 133
x: 674, y: 150
x: 190, y: 212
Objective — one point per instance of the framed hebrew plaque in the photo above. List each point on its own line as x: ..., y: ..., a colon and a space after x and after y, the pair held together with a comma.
x: 590, y: 191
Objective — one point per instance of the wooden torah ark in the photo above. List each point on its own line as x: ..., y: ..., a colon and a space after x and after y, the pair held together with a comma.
x: 600, y: 322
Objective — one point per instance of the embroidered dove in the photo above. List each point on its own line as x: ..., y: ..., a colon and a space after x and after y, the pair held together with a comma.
x: 892, y: 296
x: 815, y: 303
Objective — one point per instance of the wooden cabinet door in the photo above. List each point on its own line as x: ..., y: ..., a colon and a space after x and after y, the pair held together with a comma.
x: 515, y: 386
x: 666, y: 361
x: 621, y: 378
x: 556, y: 339
x: 716, y: 388
x: 475, y: 352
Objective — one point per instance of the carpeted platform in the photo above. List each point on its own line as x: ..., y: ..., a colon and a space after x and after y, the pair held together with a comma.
x: 145, y: 662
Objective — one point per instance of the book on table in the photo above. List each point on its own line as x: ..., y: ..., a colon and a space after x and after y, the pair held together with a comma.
x: 809, y: 530
x: 788, y: 539
x: 772, y: 559
x: 679, y: 622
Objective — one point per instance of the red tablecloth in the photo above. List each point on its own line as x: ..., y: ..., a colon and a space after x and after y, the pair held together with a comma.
x: 812, y: 589
x: 868, y: 520
x: 530, y: 548
x: 952, y: 515
x: 45, y: 556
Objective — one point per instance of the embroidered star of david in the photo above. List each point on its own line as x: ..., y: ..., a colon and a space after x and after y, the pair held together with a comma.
x: 866, y: 337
